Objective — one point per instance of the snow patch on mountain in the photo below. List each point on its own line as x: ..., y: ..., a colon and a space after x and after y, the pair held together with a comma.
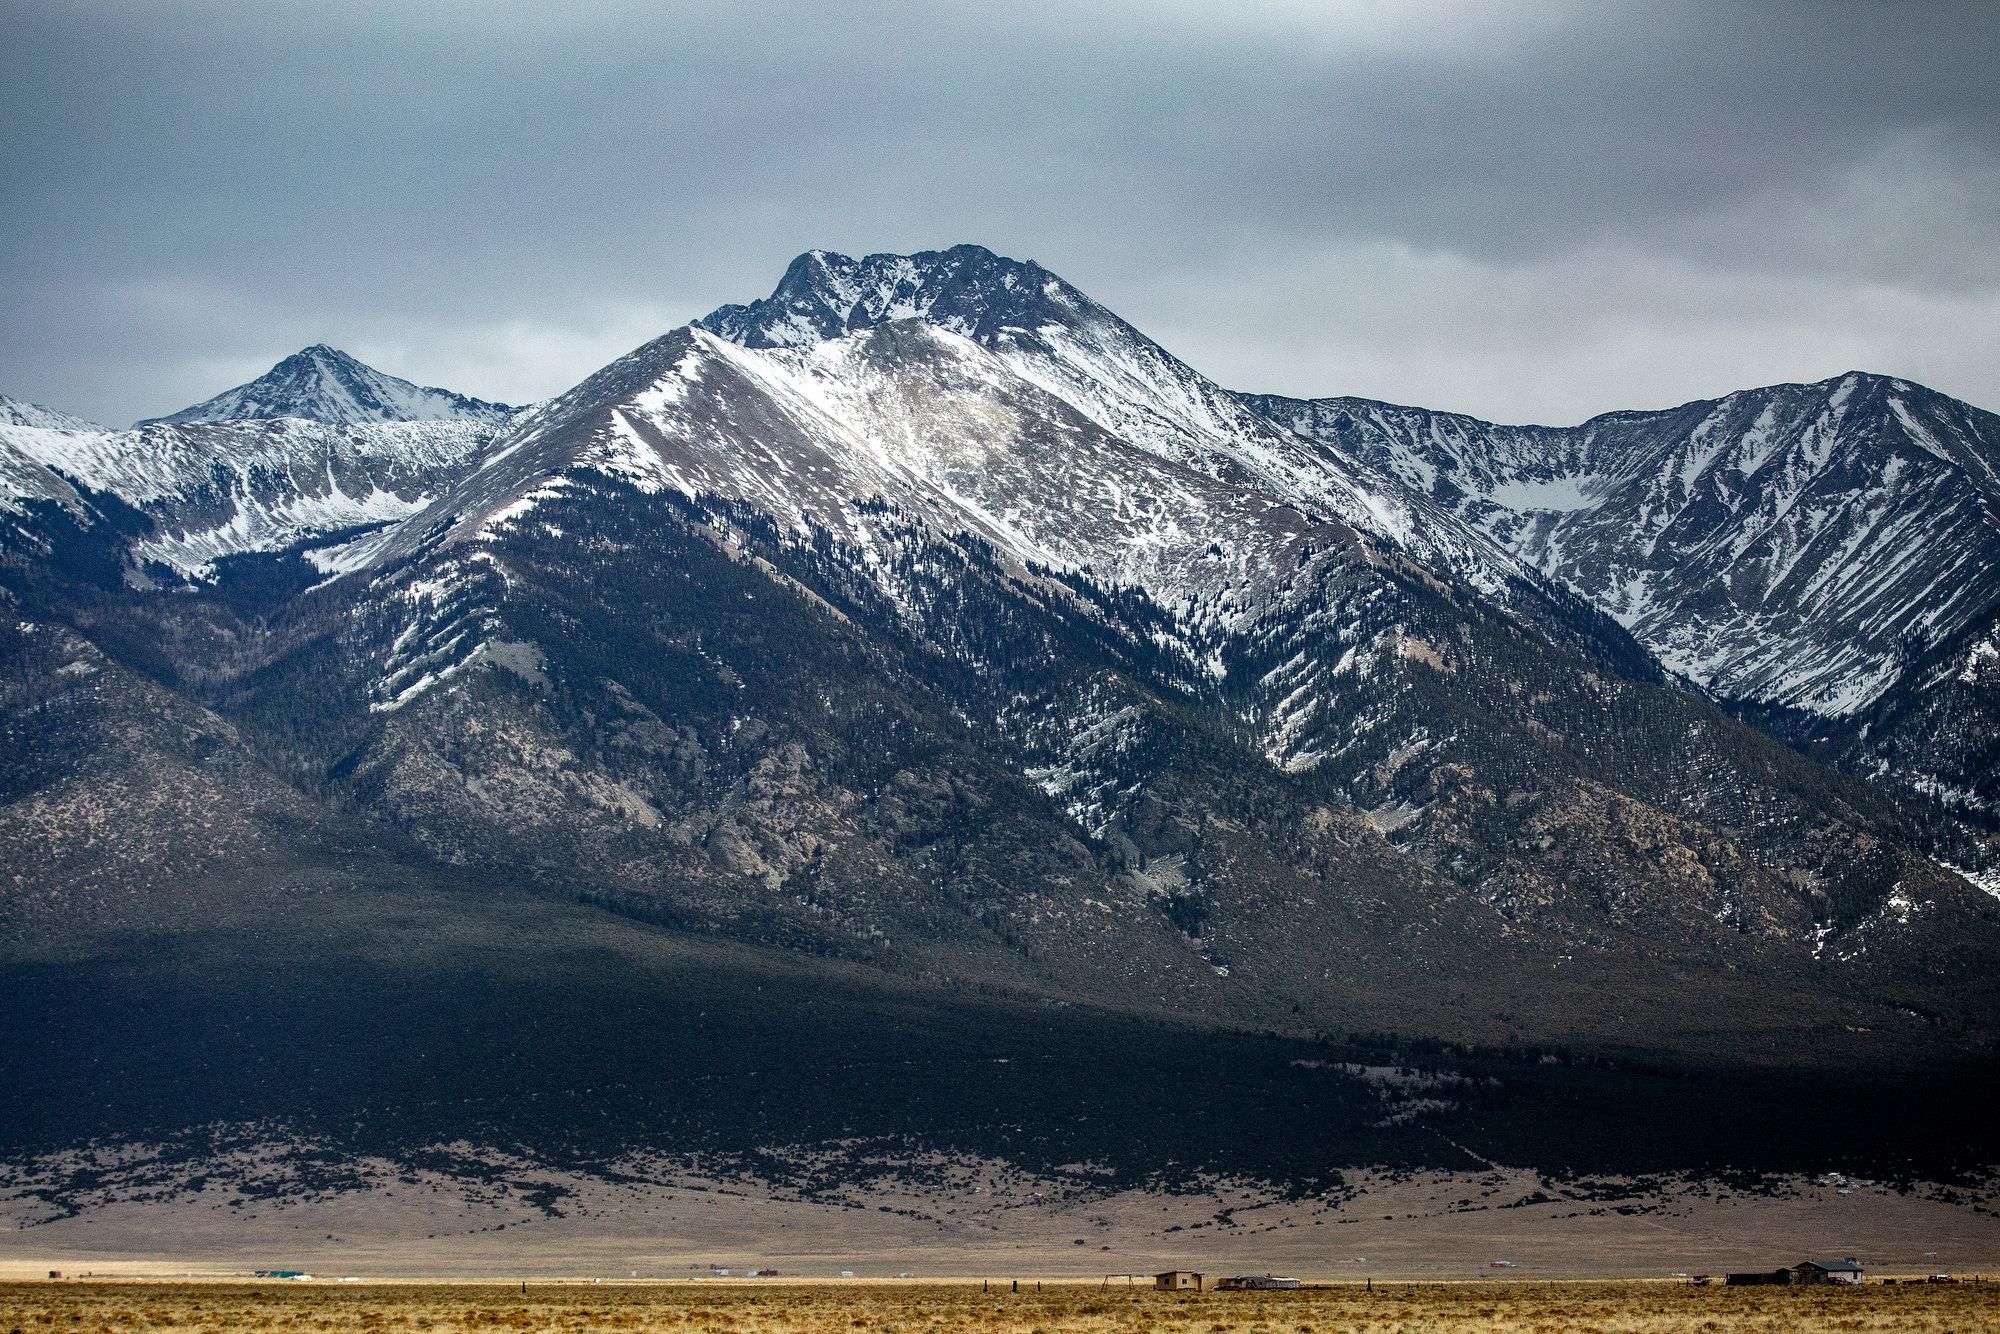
x: 444, y: 620
x: 1987, y: 881
x: 25, y: 477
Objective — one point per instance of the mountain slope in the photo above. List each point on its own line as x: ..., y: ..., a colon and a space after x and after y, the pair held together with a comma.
x: 120, y: 795
x: 1795, y: 549
x: 1938, y: 728
x: 324, y: 384
x: 655, y: 705
x: 27, y: 475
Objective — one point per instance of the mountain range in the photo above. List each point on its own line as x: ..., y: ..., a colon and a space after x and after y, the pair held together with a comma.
x: 925, y: 633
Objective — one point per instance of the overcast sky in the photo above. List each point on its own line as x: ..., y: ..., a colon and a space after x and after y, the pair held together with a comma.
x: 1528, y: 212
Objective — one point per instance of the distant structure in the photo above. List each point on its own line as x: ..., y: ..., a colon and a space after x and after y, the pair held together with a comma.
x: 1806, y: 1272
x: 1257, y: 1283
x: 1178, y: 1280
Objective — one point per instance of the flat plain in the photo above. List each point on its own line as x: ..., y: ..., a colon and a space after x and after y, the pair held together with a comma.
x: 931, y: 1308
x: 973, y: 1218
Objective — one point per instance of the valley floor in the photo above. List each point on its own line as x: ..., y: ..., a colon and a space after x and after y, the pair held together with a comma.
x: 1082, y: 1308
x: 995, y: 1221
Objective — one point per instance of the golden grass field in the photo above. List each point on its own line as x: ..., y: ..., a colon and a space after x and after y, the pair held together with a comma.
x: 938, y: 1308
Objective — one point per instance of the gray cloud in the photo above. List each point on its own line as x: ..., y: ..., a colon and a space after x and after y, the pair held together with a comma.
x: 1526, y: 211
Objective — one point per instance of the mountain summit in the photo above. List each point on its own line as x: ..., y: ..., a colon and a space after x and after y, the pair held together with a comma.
x: 967, y: 289
x: 324, y: 384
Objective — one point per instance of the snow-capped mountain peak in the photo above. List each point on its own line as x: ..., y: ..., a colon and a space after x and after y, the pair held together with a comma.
x: 1053, y: 336
x: 967, y: 289
x: 324, y: 384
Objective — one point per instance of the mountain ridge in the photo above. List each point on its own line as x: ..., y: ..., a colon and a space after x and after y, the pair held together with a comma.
x: 1492, y: 504
x: 20, y: 412
x: 1610, y: 414
x: 1053, y: 335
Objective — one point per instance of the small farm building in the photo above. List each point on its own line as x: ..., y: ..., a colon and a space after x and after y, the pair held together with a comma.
x: 1178, y: 1280
x: 1805, y: 1272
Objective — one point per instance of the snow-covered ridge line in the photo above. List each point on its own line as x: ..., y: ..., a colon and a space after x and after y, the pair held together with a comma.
x: 1059, y: 437
x: 1786, y: 545
x: 19, y: 412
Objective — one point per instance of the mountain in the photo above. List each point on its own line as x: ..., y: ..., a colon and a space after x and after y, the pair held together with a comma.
x: 1120, y: 588
x: 324, y: 384
x: 322, y: 446
x: 913, y: 673
x: 1779, y: 545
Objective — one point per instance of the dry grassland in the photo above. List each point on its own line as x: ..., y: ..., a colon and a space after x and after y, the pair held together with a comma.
x: 869, y: 1308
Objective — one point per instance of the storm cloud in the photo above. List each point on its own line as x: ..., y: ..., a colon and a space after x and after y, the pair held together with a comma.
x: 1523, y: 211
